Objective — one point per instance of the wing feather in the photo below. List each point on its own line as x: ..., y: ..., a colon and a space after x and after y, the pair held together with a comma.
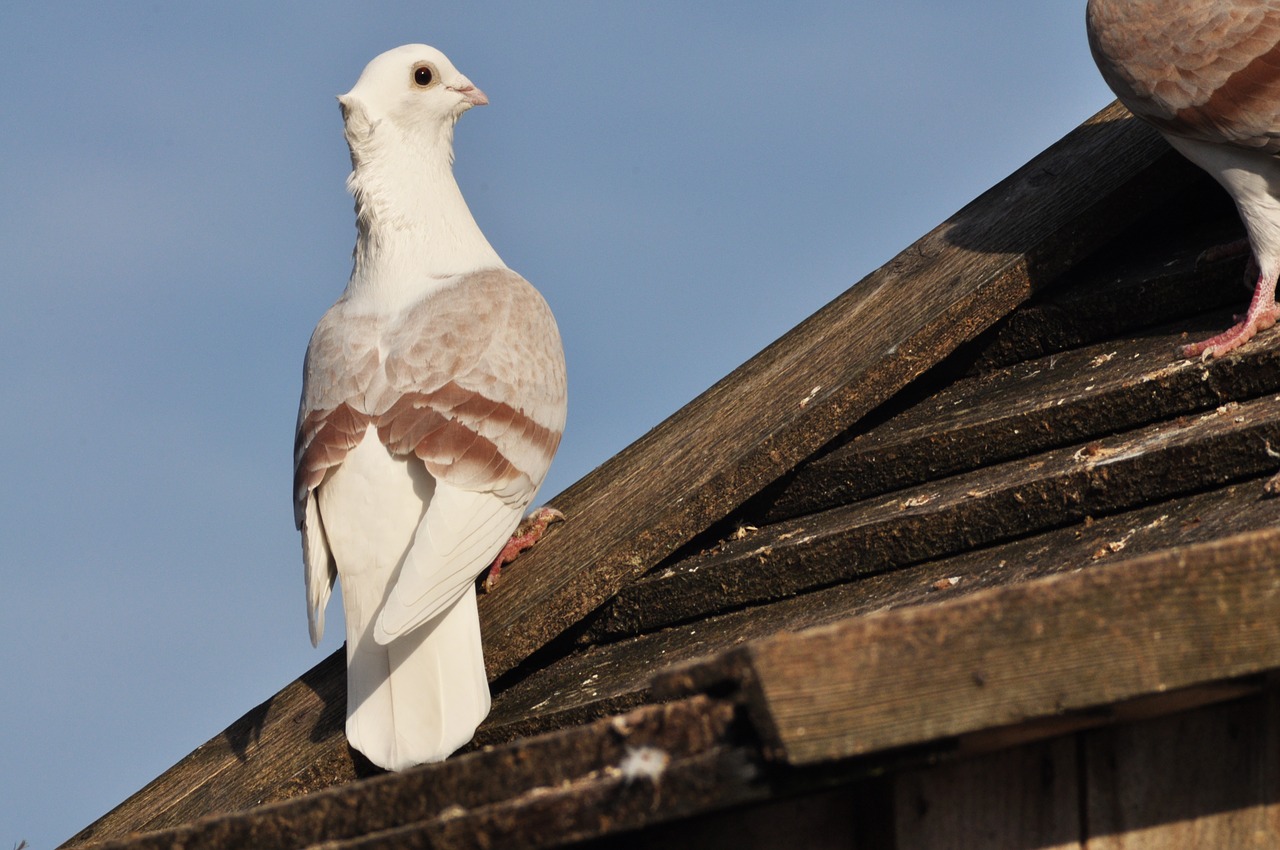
x: 1207, y: 71
x: 471, y: 382
x: 476, y: 385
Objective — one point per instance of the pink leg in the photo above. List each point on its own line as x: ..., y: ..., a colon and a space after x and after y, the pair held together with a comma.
x: 530, y: 532
x: 1262, y: 314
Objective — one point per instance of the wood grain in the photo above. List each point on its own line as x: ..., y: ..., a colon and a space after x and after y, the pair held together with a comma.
x: 949, y: 516
x: 595, y: 679
x: 472, y: 797
x: 1012, y: 800
x: 1207, y: 778
x: 1027, y: 408
x: 1004, y: 656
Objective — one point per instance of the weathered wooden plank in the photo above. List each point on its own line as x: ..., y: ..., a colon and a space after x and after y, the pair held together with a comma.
x: 1165, y: 524
x: 690, y: 730
x: 592, y: 681
x: 809, y: 386
x: 599, y: 804
x: 1005, y: 656
x: 827, y: 820
x: 1026, y: 797
x: 958, y: 513
x: 1207, y: 778
x: 1026, y: 408
x: 1147, y: 276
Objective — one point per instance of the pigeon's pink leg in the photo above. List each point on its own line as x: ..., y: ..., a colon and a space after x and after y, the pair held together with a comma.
x: 530, y: 532
x: 1262, y: 314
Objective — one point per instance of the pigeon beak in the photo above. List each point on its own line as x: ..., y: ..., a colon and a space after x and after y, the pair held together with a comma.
x: 471, y: 94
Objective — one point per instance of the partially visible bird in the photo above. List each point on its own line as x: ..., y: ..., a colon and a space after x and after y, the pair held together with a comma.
x: 1206, y: 74
x: 433, y: 400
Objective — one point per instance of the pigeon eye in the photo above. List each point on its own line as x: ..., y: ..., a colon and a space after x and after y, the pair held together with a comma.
x: 423, y: 76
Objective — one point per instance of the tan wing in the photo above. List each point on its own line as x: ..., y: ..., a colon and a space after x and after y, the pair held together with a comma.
x: 475, y: 385
x: 1203, y: 70
x: 471, y: 380
x: 342, y: 362
x: 342, y: 359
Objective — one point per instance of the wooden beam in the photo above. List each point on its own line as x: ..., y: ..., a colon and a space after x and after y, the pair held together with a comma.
x: 1019, y: 798
x: 1027, y: 408
x: 537, y: 793
x: 597, y: 679
x: 945, y: 517
x: 1150, y: 275
x: 1206, y: 778
x: 1171, y: 620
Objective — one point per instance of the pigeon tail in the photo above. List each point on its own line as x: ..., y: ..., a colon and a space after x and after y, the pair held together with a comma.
x: 420, y: 697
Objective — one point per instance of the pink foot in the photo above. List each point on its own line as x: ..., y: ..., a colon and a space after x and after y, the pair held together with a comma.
x: 1263, y: 313
x: 530, y: 532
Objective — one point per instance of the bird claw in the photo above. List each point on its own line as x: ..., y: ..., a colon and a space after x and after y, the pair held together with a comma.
x: 1262, y: 314
x: 528, y: 533
x: 1229, y: 340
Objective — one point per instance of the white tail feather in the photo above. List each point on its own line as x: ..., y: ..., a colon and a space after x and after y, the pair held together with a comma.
x: 420, y: 697
x: 319, y: 569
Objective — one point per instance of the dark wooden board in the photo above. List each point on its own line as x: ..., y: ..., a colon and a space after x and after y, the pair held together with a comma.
x: 1180, y: 521
x: 599, y: 804
x: 1024, y: 797
x: 1026, y: 408
x: 1178, y: 293
x: 1009, y: 655
x: 593, y: 680
x: 1208, y: 778
x: 974, y: 509
x: 824, y: 820
x: 696, y: 730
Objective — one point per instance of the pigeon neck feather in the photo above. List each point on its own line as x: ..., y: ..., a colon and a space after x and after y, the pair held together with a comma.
x: 413, y: 227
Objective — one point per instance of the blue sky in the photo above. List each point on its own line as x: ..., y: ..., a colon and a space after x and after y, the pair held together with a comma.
x: 684, y: 184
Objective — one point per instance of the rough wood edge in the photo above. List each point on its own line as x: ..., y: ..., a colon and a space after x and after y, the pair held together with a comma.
x: 1165, y: 621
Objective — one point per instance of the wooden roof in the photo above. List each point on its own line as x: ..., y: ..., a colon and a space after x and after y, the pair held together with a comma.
x: 976, y: 500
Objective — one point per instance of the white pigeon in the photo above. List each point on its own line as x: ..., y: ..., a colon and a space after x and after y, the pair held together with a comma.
x: 1206, y: 74
x: 433, y: 399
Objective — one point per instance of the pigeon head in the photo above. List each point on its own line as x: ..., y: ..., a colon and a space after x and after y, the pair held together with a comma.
x: 414, y: 90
